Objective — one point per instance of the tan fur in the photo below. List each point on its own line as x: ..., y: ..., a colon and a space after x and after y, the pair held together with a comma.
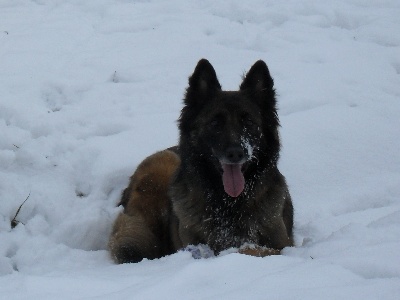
x: 255, y: 250
x: 146, y: 224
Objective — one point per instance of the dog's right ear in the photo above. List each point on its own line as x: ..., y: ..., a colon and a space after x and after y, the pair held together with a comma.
x: 203, y: 82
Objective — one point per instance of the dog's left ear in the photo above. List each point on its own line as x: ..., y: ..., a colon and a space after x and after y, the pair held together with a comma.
x: 258, y: 78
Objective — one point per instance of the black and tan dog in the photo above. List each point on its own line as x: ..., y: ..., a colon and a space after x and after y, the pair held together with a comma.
x: 220, y: 186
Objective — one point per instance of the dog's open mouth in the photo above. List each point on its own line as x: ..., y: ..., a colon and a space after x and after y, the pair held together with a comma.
x: 233, y: 179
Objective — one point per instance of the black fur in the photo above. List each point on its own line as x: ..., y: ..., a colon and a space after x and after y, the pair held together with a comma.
x: 212, y: 123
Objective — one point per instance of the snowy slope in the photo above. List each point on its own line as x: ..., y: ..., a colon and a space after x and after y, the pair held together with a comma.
x: 90, y: 88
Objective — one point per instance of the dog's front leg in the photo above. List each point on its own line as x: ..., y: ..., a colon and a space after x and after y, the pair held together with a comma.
x: 259, y: 251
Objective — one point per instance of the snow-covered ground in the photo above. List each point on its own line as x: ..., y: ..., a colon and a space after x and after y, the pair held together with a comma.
x: 90, y: 88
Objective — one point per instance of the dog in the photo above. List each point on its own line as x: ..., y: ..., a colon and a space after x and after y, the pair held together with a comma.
x: 220, y: 186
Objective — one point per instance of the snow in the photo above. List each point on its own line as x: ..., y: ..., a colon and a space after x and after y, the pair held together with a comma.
x: 90, y: 88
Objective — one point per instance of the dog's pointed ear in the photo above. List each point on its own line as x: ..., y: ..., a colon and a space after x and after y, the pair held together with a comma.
x: 258, y: 78
x: 203, y: 81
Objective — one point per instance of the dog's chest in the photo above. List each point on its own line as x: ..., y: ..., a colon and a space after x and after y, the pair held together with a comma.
x: 229, y: 227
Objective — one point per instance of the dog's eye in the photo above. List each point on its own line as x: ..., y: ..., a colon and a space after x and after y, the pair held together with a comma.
x: 214, y: 124
x: 248, y: 122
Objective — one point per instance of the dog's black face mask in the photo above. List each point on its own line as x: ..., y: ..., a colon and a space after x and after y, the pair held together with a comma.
x: 231, y: 131
x: 228, y: 127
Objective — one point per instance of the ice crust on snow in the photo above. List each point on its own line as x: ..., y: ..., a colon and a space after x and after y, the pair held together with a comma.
x: 90, y: 88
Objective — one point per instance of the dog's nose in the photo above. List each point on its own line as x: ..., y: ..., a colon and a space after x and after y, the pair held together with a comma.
x: 234, y: 154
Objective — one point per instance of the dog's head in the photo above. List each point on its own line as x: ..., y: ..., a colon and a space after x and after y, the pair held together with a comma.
x: 236, y: 131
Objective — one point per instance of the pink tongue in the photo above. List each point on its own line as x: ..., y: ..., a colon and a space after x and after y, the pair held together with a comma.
x: 233, y: 179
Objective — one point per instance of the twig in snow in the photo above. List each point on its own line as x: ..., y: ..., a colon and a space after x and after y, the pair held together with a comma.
x: 14, y: 221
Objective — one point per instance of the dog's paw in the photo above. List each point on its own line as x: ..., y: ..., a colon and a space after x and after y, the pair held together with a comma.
x: 199, y: 251
x: 259, y: 251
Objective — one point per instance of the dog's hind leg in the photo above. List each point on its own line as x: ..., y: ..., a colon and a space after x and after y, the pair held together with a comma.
x: 132, y: 240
